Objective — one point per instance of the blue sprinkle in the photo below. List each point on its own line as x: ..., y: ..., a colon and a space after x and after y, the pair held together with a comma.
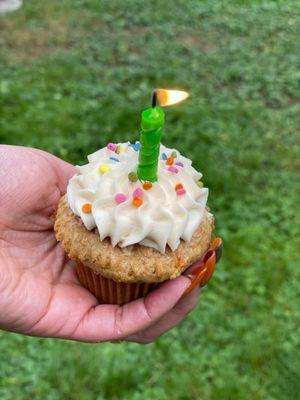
x: 136, y: 146
x: 113, y: 158
x: 164, y: 156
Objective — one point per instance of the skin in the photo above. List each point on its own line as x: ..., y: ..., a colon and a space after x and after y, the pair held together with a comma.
x: 40, y: 294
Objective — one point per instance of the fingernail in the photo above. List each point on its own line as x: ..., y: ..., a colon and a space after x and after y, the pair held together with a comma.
x: 209, y: 269
x: 201, y: 275
x: 217, y: 245
x: 195, y: 281
x: 200, y: 268
x: 195, y: 268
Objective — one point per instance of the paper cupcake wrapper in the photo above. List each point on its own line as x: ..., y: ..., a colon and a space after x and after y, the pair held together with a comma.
x: 108, y: 291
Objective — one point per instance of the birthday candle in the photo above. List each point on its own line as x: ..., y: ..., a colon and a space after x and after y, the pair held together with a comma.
x: 152, y: 127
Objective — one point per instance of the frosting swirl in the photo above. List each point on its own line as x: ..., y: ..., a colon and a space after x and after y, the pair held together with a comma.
x: 155, y: 215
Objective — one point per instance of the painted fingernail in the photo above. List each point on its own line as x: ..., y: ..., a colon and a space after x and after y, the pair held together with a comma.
x: 203, y: 273
x: 217, y: 245
x: 195, y: 281
x: 197, y: 270
x: 209, y: 269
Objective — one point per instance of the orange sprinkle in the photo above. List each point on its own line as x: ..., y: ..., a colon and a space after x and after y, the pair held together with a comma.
x: 137, y: 202
x: 147, y: 185
x: 87, y: 208
x: 179, y: 186
x: 170, y: 161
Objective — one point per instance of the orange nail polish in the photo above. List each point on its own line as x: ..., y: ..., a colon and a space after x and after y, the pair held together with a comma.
x: 210, y: 267
x: 217, y: 245
x: 195, y: 282
x: 203, y: 273
x: 203, y: 269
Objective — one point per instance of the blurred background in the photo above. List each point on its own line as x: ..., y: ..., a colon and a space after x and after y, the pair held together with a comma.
x: 76, y: 74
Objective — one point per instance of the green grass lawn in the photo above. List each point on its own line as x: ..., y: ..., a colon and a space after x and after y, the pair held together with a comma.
x: 75, y: 74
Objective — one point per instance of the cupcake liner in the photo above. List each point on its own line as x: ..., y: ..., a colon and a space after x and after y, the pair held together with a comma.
x: 107, y: 290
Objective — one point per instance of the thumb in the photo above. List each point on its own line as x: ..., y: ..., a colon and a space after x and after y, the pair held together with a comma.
x: 63, y: 170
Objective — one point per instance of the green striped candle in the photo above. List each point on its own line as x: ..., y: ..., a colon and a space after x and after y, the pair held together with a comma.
x: 152, y: 127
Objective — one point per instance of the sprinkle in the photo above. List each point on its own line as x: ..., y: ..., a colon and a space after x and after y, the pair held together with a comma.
x: 132, y: 176
x: 112, y: 146
x: 137, y: 202
x: 180, y: 191
x: 147, y: 185
x: 200, y: 184
x: 138, y: 193
x: 164, y: 156
x: 173, y: 169
x: 103, y: 169
x: 122, y: 148
x: 179, y: 164
x: 113, y: 158
x: 120, y: 198
x: 136, y: 146
x: 87, y: 208
x: 179, y: 186
x: 174, y: 154
x: 170, y: 161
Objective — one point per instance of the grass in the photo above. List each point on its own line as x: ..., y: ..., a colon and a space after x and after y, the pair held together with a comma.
x: 75, y: 75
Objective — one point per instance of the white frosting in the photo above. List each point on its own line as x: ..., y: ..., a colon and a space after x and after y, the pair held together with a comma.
x: 164, y: 217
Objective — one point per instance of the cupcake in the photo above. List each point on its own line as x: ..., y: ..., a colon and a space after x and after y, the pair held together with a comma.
x: 125, y: 234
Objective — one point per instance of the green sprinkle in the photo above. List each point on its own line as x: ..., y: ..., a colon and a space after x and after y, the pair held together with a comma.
x: 173, y: 154
x: 132, y: 176
x: 200, y: 184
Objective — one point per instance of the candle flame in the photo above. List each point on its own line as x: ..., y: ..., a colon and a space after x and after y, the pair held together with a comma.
x: 166, y: 97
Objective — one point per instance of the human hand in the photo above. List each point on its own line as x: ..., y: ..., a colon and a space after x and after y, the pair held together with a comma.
x: 40, y: 294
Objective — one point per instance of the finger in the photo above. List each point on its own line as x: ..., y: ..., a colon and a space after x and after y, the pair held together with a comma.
x: 110, y: 322
x: 64, y: 171
x: 168, y: 321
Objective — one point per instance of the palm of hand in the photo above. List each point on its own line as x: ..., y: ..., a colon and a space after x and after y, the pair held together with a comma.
x: 39, y: 291
x: 36, y: 274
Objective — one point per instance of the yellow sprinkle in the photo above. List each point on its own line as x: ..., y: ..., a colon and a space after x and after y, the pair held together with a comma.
x: 122, y: 148
x: 103, y: 169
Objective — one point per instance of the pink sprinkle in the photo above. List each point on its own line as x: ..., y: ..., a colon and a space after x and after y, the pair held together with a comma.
x: 173, y: 169
x: 120, y: 198
x: 179, y: 164
x: 112, y: 146
x: 180, y: 191
x: 137, y: 194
